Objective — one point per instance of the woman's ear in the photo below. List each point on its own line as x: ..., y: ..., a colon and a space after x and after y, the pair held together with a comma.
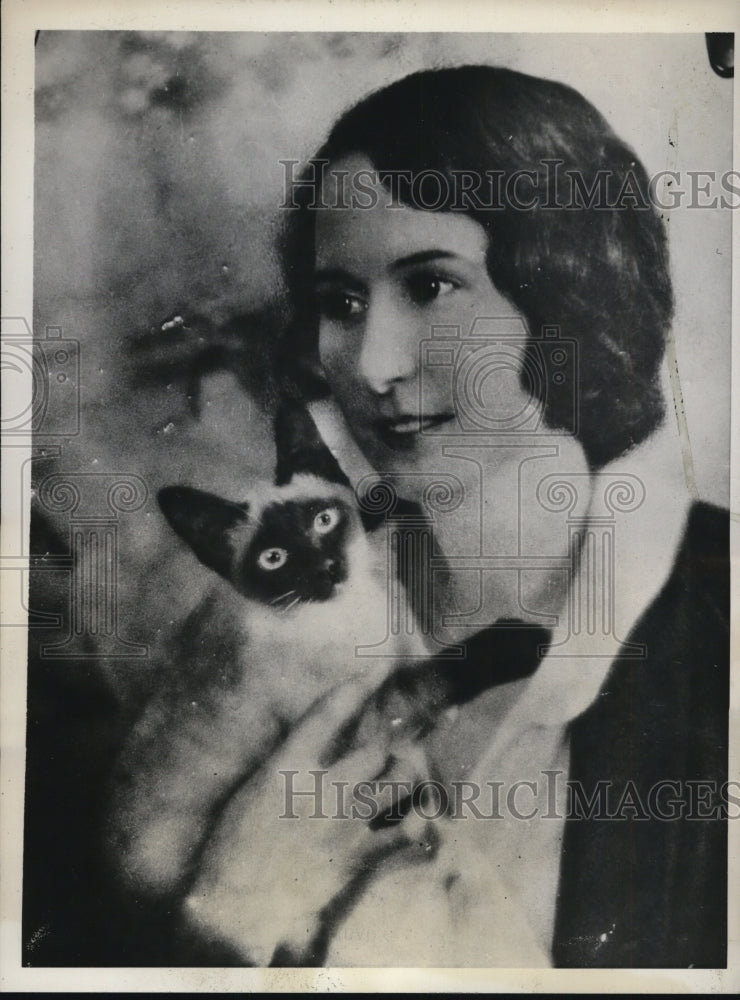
x: 204, y: 521
x: 300, y: 447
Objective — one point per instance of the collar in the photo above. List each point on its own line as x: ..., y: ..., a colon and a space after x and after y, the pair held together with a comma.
x: 646, y: 526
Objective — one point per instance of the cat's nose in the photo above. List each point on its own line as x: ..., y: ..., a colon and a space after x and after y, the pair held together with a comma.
x: 330, y: 565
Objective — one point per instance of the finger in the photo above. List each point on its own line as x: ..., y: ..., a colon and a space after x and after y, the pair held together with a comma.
x: 419, y: 808
x: 407, y: 769
x: 324, y: 720
x: 366, y: 764
x: 409, y: 760
x: 376, y: 789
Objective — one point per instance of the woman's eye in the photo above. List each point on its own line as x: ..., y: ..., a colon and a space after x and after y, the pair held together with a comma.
x: 326, y: 520
x: 272, y: 558
x: 338, y: 305
x: 424, y: 288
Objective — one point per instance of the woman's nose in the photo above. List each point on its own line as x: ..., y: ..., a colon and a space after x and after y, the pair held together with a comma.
x: 390, y: 347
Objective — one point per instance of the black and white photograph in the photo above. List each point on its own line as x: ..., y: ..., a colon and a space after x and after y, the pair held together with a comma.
x: 371, y: 503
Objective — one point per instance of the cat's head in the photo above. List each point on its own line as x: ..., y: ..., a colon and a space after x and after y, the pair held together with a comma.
x: 284, y: 545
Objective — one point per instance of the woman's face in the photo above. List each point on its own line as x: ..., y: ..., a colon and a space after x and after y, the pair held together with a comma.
x: 385, y: 278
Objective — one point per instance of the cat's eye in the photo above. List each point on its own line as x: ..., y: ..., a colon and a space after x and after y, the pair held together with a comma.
x: 325, y: 520
x: 272, y: 558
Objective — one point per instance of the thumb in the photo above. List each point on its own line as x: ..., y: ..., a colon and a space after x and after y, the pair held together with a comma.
x: 325, y: 720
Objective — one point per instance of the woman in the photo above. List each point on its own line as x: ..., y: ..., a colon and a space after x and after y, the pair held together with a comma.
x: 481, y: 297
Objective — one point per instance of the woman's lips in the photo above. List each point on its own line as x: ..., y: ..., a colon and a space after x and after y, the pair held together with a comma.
x: 402, y: 433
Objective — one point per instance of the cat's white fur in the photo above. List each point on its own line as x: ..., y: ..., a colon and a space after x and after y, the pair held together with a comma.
x: 211, y: 722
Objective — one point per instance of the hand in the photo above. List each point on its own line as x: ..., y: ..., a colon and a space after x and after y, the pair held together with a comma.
x: 451, y: 911
x: 281, y: 869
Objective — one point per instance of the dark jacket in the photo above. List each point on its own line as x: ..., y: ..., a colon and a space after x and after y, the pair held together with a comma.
x: 642, y: 891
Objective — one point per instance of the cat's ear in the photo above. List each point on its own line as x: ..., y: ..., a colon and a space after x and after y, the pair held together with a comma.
x: 204, y: 521
x: 300, y: 447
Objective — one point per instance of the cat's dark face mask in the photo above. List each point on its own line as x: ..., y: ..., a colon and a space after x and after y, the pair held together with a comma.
x: 280, y: 554
x: 298, y: 553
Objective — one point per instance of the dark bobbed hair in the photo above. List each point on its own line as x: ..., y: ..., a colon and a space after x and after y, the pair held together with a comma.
x: 600, y: 273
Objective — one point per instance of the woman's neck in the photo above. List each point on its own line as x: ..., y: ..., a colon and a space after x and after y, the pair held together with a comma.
x: 503, y: 516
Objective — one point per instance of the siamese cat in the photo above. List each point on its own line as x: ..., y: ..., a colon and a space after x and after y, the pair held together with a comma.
x: 299, y: 584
